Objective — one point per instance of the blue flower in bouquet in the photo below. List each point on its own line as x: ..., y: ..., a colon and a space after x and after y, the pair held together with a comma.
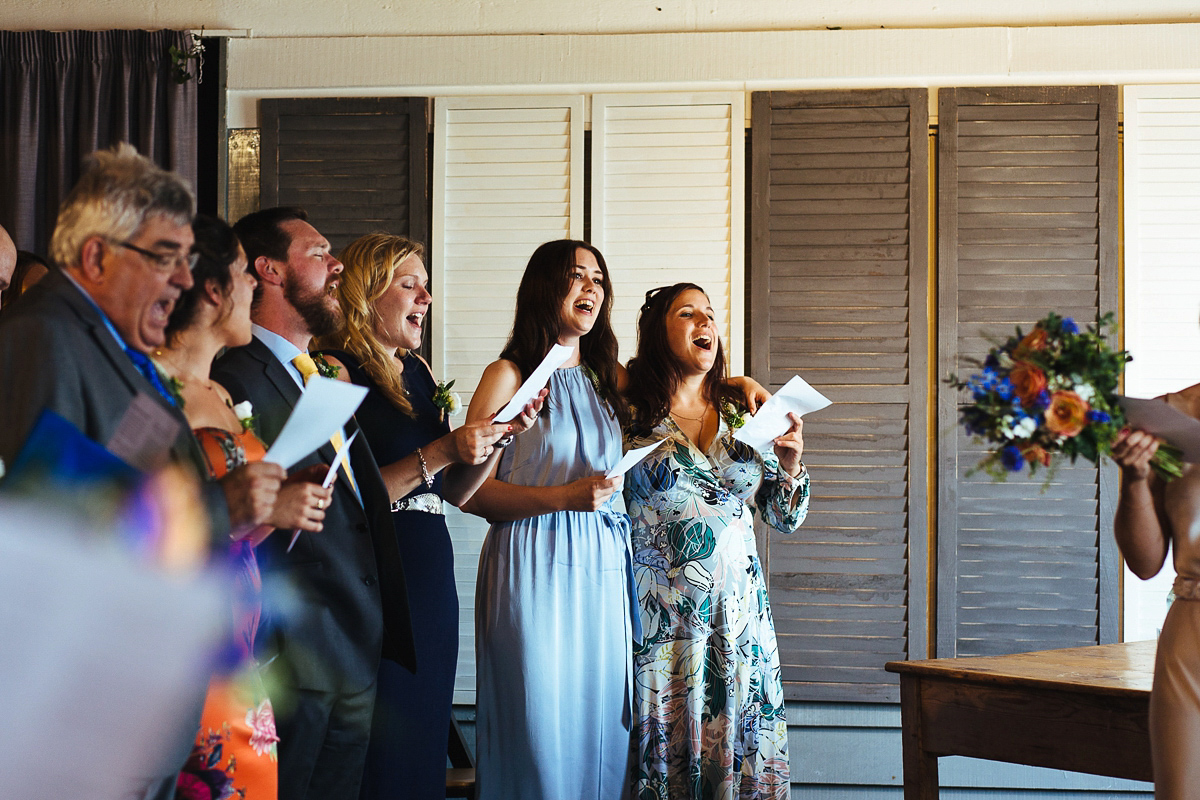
x: 992, y: 361
x: 1005, y: 389
x: 1098, y: 416
x: 1012, y: 459
x: 1069, y: 326
x: 1041, y: 401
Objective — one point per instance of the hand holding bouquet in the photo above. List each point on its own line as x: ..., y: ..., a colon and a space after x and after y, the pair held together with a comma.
x: 1048, y: 393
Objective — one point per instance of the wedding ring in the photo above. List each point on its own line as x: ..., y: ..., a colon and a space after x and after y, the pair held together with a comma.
x: 321, y: 504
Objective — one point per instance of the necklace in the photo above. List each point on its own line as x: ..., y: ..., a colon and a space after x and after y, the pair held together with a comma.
x: 174, y: 374
x: 691, y: 419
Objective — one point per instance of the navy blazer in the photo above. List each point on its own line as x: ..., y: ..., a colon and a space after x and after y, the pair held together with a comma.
x: 353, y: 604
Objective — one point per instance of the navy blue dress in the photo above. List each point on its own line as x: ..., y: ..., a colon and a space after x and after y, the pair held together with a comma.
x: 407, y: 753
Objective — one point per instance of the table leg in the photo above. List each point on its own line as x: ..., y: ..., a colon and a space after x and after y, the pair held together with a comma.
x: 920, y: 767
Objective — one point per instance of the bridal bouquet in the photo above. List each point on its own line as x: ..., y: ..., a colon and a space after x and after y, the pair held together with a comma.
x: 1049, y: 393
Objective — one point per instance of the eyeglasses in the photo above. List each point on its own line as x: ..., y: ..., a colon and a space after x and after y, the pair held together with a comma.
x: 164, y: 261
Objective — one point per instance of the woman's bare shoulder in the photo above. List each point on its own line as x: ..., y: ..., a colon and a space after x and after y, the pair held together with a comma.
x: 503, y: 371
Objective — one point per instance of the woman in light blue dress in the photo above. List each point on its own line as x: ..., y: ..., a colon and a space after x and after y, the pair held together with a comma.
x: 553, y: 623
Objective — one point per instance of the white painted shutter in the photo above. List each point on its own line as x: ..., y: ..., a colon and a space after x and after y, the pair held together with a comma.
x: 668, y: 177
x: 1162, y: 276
x: 508, y: 176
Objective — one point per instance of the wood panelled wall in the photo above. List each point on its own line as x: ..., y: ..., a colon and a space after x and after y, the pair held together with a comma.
x: 1027, y: 198
x: 838, y: 292
x: 839, y: 259
x: 356, y: 165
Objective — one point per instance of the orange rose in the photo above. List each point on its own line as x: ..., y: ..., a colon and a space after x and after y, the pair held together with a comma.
x: 1034, y: 341
x: 1028, y: 381
x: 1036, y: 453
x: 1067, y: 413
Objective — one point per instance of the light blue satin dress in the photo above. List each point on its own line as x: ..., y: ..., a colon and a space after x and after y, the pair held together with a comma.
x: 553, y: 631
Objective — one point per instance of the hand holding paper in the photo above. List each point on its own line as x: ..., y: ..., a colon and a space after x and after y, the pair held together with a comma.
x: 1158, y: 418
x: 330, y: 477
x: 771, y: 421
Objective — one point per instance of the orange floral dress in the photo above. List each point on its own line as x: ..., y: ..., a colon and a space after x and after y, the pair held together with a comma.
x: 235, y: 753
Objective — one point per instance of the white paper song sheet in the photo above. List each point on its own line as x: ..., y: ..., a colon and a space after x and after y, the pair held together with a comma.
x: 1159, y: 418
x: 323, y: 409
x: 534, y: 383
x: 630, y: 459
x: 772, y: 421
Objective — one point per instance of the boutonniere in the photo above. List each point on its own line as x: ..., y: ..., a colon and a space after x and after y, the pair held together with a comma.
x: 734, y: 416
x: 244, y: 411
x: 173, y: 385
x: 326, y: 369
x: 449, y: 402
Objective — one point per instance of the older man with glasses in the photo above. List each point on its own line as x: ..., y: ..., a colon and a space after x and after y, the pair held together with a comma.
x: 79, y: 344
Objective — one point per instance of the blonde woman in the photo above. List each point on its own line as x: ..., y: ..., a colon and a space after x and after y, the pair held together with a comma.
x: 384, y: 293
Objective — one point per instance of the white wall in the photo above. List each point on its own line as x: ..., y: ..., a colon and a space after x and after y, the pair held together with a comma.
x: 299, y: 18
x: 455, y: 65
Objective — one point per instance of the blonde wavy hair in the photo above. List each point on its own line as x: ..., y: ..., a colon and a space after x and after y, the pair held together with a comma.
x: 370, y: 263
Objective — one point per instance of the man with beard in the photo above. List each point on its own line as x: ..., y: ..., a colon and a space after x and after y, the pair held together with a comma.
x: 352, y: 606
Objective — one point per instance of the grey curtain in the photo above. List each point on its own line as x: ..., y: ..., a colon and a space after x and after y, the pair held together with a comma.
x: 63, y: 95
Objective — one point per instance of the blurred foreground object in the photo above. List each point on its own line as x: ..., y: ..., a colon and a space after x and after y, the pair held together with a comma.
x: 102, y: 655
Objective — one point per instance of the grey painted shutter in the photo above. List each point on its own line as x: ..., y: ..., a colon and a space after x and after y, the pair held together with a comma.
x: 1027, y: 224
x: 839, y: 264
x: 356, y: 165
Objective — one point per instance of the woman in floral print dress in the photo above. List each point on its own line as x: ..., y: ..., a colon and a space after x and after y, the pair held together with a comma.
x: 234, y: 754
x: 709, y: 714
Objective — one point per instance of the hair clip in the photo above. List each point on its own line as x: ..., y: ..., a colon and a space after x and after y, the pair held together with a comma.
x: 651, y: 295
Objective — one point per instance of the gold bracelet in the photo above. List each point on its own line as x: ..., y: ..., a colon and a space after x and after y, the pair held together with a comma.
x: 425, y: 476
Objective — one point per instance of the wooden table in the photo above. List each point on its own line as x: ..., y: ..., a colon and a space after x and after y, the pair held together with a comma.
x: 1083, y: 709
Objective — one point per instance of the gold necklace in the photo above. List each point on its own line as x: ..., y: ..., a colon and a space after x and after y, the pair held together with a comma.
x: 691, y: 419
x: 173, y: 373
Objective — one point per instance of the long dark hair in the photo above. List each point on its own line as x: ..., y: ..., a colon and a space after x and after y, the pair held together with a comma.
x: 538, y: 319
x: 654, y: 372
x: 217, y: 246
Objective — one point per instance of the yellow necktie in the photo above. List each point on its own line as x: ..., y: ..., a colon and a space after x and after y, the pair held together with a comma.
x: 308, y: 368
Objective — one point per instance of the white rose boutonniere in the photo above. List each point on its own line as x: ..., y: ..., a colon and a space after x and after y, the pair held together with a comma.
x: 449, y: 402
x: 244, y: 411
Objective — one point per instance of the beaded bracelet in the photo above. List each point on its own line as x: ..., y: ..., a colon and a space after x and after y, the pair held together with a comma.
x: 425, y: 476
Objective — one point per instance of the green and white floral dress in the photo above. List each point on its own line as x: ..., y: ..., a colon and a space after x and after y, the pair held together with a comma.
x: 709, y: 715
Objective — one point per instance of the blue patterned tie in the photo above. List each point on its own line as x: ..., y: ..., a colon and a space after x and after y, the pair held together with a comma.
x: 150, y: 372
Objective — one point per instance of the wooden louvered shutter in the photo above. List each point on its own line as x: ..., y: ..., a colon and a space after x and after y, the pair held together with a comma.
x: 1027, y: 224
x: 356, y: 165
x: 508, y: 176
x: 839, y: 258
x: 668, y: 197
